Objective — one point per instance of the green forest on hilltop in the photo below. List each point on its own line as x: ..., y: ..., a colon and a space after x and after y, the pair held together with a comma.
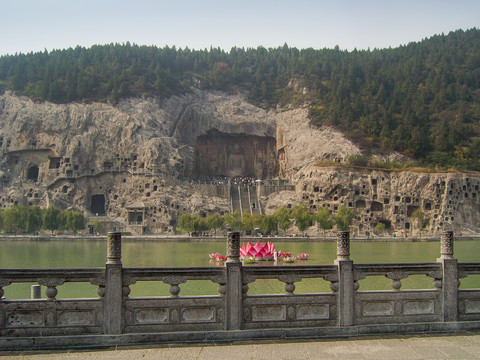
x: 421, y: 99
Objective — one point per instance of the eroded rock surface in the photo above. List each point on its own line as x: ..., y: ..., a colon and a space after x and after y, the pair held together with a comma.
x: 139, y: 163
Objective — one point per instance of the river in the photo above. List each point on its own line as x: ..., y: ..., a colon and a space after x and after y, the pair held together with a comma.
x: 91, y: 253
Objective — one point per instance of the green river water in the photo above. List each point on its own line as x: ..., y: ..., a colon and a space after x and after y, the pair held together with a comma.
x: 92, y: 253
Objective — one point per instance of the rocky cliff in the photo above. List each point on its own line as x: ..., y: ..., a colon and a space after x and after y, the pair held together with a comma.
x: 138, y: 163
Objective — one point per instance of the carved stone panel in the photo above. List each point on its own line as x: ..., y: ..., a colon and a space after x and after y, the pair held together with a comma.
x: 75, y: 318
x: 378, y: 308
x: 151, y: 316
x: 472, y: 306
x: 419, y: 307
x: 198, y: 315
x: 269, y: 313
x: 313, y: 312
x: 24, y: 318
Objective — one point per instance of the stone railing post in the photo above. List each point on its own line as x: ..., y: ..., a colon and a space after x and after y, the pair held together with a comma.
x: 113, y: 301
x: 345, y: 294
x: 450, y: 277
x: 233, y: 296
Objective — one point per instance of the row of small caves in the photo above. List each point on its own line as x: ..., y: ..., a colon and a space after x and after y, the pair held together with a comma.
x: 371, y: 206
x: 242, y: 155
x: 215, y: 155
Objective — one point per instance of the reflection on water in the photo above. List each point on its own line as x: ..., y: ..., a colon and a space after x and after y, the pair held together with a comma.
x: 92, y: 253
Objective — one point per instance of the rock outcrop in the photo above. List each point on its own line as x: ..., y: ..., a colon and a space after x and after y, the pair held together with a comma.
x: 138, y: 163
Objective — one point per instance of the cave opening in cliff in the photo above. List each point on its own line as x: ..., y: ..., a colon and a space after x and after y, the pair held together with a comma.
x: 98, y: 204
x: 32, y: 173
x: 221, y: 154
x: 387, y: 223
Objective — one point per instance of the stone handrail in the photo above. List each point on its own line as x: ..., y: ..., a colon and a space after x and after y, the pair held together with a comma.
x: 233, y: 312
x: 303, y: 271
x: 35, y: 275
x: 469, y: 268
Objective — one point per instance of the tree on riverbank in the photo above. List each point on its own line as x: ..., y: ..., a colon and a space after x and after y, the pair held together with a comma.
x: 214, y: 222
x: 303, y: 217
x: 50, y: 219
x: 283, y: 218
x: 324, y: 219
x: 270, y: 223
x: 343, y: 218
x: 31, y: 219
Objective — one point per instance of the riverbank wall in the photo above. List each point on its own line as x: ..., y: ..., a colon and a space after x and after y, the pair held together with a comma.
x: 182, y: 238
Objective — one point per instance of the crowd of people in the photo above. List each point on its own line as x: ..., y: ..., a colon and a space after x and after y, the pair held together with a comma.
x: 243, y: 180
x: 223, y: 180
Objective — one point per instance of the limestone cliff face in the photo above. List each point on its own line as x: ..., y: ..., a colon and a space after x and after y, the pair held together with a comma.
x: 448, y: 200
x: 137, y: 159
x: 151, y: 135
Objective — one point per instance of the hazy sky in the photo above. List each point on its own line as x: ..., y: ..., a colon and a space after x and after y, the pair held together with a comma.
x: 35, y: 25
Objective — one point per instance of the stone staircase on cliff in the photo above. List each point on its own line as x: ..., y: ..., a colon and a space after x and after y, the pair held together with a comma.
x: 244, y: 199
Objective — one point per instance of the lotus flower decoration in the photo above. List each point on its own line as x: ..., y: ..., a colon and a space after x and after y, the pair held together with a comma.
x: 258, y: 251
x: 303, y: 256
x: 282, y: 254
x: 217, y: 257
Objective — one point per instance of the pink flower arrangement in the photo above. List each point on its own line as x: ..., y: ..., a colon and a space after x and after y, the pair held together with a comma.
x: 250, y: 253
x: 258, y: 251
x: 217, y: 257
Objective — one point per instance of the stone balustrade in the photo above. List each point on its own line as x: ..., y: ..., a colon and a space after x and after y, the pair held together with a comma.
x: 233, y: 313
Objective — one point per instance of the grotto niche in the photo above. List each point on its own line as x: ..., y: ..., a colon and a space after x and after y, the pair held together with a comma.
x: 221, y: 154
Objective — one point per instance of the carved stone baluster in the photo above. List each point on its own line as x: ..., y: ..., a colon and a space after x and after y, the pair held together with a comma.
x: 51, y: 284
x: 233, y: 247
x: 358, y: 275
x: 222, y: 289
x: 437, y: 279
x: 222, y: 284
x: 333, y: 278
x: 245, y: 281
x: 446, y: 245
x: 126, y: 282
x: 289, y: 281
x: 3, y: 283
x: 174, y: 281
x: 100, y: 282
x: 343, y: 246
x: 396, y: 276
x: 461, y: 275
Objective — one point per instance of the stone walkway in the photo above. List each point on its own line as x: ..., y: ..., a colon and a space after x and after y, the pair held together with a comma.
x: 462, y: 345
